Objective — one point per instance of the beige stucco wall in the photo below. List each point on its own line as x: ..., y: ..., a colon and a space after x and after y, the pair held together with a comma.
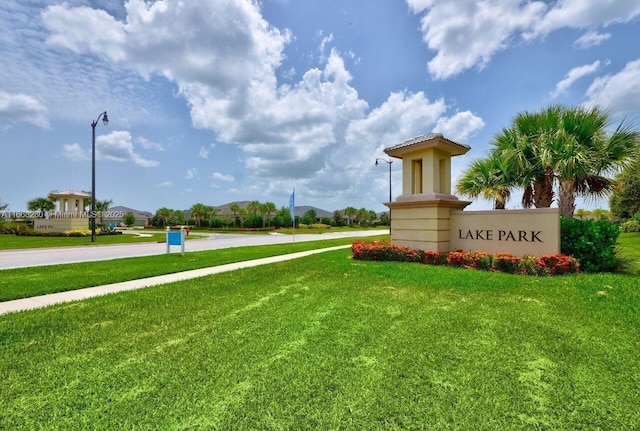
x: 422, y: 224
x: 60, y: 224
x: 517, y: 232
x: 426, y: 216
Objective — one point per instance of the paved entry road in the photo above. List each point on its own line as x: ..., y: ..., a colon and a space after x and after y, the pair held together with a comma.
x: 57, y: 255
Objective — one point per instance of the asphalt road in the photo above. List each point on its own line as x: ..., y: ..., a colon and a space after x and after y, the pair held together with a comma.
x: 53, y: 256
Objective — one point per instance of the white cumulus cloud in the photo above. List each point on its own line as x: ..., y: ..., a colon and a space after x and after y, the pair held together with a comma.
x: 225, y: 60
x: 573, y: 75
x: 467, y: 33
x: 117, y: 146
x: 619, y: 92
x: 223, y: 177
x: 459, y: 127
x: 75, y: 153
x: 23, y: 108
x: 591, y: 38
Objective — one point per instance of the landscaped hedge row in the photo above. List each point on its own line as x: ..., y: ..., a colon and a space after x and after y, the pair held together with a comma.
x: 591, y: 242
x: 27, y: 231
x: 500, y: 262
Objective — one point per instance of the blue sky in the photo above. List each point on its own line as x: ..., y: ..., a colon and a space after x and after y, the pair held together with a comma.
x: 216, y: 101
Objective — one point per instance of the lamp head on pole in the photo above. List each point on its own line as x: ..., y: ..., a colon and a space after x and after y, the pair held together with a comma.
x: 105, y: 119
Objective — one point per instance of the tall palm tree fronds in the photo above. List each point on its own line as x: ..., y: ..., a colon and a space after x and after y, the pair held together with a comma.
x: 568, y: 146
x: 491, y: 179
x: 588, y: 152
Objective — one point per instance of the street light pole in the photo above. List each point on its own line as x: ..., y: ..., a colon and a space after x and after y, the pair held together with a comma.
x: 388, y: 162
x: 105, y: 121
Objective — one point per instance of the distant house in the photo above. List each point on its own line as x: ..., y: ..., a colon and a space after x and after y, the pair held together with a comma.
x: 320, y: 213
x: 115, y: 215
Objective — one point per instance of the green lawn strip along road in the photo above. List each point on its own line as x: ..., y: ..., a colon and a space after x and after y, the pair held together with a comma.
x: 27, y: 282
x: 326, y: 342
x: 13, y: 242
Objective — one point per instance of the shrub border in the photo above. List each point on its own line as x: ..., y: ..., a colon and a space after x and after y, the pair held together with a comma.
x: 556, y: 264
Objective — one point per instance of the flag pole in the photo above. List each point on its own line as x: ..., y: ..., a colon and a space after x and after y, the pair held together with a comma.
x: 292, y: 209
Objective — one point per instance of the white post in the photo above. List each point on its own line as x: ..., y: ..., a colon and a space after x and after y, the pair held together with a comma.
x: 182, y: 239
x: 168, y: 246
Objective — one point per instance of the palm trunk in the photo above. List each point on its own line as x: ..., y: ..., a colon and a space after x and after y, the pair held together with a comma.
x: 543, y: 191
x: 567, y: 198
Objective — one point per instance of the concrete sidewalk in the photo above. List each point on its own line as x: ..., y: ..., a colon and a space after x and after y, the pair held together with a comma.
x: 76, y: 295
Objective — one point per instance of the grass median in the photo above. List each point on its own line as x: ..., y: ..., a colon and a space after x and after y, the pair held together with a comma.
x: 14, y: 242
x: 27, y: 282
x: 325, y: 342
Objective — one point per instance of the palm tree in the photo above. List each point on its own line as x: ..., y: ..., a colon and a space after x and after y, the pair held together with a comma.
x: 600, y: 214
x: 198, y: 212
x: 269, y: 208
x: 363, y: 216
x: 164, y: 213
x: 491, y: 179
x: 372, y: 216
x: 581, y: 213
x: 101, y: 207
x: 253, y: 207
x: 587, y: 153
x: 567, y: 146
x: 525, y: 147
x: 41, y: 204
x: 234, y: 208
x: 350, y: 212
x: 242, y: 213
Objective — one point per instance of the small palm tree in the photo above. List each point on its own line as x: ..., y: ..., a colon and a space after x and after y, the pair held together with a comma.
x: 234, y: 209
x: 164, y: 213
x: 198, y: 212
x: 351, y: 213
x: 41, y: 204
x: 269, y: 209
x: 491, y: 179
x: 581, y: 213
x: 101, y: 207
x: 253, y: 207
x: 242, y: 213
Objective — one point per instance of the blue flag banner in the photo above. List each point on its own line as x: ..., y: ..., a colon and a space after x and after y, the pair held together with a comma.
x: 292, y: 205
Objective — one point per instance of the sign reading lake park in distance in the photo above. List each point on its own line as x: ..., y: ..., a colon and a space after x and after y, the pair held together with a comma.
x: 517, y: 232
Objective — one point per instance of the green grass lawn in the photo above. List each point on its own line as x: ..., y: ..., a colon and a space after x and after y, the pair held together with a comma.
x: 326, y: 342
x: 329, y: 343
x: 629, y: 251
x: 8, y: 242
x: 33, y: 281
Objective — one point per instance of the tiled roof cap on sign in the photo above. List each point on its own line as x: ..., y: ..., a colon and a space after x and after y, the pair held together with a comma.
x: 424, y: 138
